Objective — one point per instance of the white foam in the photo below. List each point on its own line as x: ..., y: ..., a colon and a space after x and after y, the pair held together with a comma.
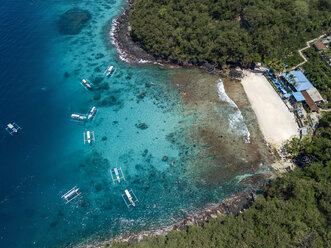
x: 236, y: 120
x: 123, y: 55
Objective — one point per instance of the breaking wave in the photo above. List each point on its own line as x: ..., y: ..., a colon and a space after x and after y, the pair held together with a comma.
x: 236, y: 120
x: 123, y: 55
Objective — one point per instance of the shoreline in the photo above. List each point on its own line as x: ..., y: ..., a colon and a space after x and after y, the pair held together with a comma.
x: 131, y: 52
x: 235, y: 204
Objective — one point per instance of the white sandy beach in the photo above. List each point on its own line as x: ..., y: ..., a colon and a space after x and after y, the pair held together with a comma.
x: 276, y: 122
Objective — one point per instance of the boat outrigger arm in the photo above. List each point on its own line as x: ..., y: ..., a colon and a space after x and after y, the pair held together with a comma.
x: 91, y: 113
x: 131, y: 201
x: 89, y: 137
x: 86, y: 84
x: 110, y: 71
x: 118, y: 175
x: 71, y: 194
x: 12, y: 128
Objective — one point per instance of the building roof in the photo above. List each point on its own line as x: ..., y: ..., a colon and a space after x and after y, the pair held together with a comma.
x: 309, y: 101
x: 298, y: 96
x: 302, y: 83
x: 319, y: 45
x: 315, y: 95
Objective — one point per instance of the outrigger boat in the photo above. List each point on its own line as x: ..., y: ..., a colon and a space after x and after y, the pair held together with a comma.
x: 89, y: 137
x: 132, y: 201
x: 110, y: 71
x: 91, y: 113
x: 86, y: 84
x: 78, y: 117
x: 71, y: 194
x: 118, y: 175
x: 12, y: 128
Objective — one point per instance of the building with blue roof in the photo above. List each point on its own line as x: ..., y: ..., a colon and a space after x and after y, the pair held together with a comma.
x: 299, y: 82
x: 298, y: 96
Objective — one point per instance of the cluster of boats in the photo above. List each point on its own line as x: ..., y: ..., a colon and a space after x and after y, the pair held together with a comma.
x: 117, y: 175
x: 109, y: 72
x: 129, y: 198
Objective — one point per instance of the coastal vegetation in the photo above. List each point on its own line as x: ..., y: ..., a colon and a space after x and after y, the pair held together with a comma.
x: 293, y: 211
x: 221, y: 31
x: 319, y: 73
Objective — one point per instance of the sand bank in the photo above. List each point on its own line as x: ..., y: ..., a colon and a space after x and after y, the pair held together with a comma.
x: 277, y: 123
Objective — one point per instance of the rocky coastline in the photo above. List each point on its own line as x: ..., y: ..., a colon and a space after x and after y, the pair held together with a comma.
x: 235, y: 205
x: 132, y: 52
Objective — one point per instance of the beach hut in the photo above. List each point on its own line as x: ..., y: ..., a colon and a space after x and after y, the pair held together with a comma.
x: 315, y: 95
x: 309, y: 101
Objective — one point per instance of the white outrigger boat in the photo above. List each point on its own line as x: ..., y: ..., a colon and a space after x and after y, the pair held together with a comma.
x: 12, y: 128
x: 118, y: 175
x: 71, y: 194
x: 86, y: 84
x: 110, y: 71
x: 78, y: 117
x: 91, y: 113
x: 132, y: 200
x: 89, y: 137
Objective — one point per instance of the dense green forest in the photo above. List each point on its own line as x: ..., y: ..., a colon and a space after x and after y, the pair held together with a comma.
x: 224, y: 31
x: 319, y: 73
x: 293, y: 211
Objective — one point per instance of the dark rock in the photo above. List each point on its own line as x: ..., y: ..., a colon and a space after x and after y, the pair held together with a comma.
x: 97, y: 97
x: 53, y: 224
x: 73, y: 21
x: 142, y: 95
x: 99, y: 56
x: 104, y: 138
x: 236, y: 74
x: 104, y: 86
x: 165, y: 158
x: 145, y: 152
x: 109, y: 101
x: 142, y: 126
x: 97, y: 80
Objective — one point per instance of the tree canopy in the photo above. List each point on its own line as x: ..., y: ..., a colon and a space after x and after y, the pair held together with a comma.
x: 223, y: 31
x: 293, y: 211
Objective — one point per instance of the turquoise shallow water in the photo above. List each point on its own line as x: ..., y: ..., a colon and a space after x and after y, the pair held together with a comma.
x: 49, y: 156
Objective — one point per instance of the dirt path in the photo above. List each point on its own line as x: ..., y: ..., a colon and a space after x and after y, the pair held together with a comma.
x: 301, y: 52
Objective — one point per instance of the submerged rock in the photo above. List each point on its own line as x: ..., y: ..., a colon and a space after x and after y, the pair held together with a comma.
x: 141, y: 126
x: 97, y: 80
x: 142, y: 95
x: 165, y: 158
x: 96, y: 97
x: 73, y: 21
x: 99, y: 56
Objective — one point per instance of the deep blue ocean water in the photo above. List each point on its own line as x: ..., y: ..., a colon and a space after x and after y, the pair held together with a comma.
x: 48, y: 156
